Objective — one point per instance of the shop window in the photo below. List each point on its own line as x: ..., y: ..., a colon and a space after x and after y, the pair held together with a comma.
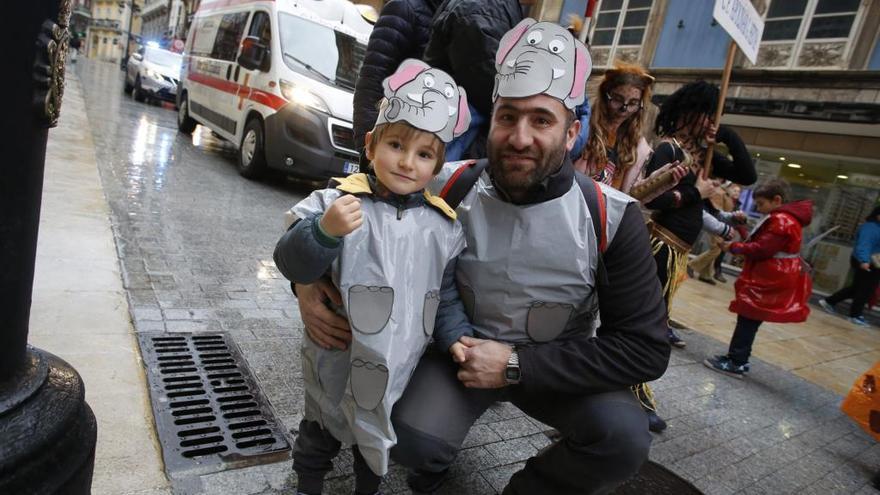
x: 619, y: 30
x: 808, y: 33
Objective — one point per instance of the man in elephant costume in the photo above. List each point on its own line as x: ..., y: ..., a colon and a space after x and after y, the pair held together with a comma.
x: 545, y: 248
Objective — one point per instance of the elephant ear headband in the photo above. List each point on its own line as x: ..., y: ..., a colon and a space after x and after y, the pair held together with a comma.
x: 542, y: 58
x: 425, y: 98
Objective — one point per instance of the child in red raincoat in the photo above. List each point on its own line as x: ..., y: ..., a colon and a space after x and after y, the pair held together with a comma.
x: 773, y: 285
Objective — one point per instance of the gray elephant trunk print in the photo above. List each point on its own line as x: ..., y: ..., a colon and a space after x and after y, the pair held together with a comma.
x: 429, y: 312
x: 369, y: 307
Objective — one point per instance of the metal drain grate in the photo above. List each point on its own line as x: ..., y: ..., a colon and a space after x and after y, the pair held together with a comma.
x: 209, y: 411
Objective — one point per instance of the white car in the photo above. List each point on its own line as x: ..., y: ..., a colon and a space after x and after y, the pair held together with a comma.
x: 153, y: 73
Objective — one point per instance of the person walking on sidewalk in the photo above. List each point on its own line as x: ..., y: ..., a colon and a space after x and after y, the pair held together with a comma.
x: 866, y: 274
x: 685, y: 127
x: 774, y: 285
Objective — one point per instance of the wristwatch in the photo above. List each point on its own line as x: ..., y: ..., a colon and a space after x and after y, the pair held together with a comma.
x: 512, y: 373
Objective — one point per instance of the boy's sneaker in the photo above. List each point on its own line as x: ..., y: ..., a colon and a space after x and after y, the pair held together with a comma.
x: 720, y: 277
x: 724, y: 364
x: 706, y: 280
x: 859, y: 320
x: 675, y: 340
x: 827, y: 307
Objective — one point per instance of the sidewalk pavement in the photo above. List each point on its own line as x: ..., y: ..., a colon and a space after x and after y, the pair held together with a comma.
x: 777, y: 431
x: 79, y: 310
x: 826, y: 350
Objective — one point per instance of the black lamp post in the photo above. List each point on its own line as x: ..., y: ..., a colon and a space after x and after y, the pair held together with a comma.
x: 47, y: 431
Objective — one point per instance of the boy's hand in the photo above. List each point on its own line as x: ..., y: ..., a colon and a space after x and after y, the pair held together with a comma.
x: 343, y: 216
x: 458, y: 351
x: 706, y: 186
x: 725, y: 246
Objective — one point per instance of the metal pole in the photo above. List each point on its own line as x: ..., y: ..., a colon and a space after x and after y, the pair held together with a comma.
x: 725, y: 80
x: 47, y: 431
x: 128, y: 32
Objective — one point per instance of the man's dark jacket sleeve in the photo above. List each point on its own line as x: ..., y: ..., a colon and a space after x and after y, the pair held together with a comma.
x: 631, y: 346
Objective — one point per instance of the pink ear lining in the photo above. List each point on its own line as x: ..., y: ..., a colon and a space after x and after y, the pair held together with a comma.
x: 463, y: 115
x: 515, y: 34
x: 404, y: 75
x: 580, y: 72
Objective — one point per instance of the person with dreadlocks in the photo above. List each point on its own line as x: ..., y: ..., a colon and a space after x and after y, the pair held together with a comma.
x: 616, y: 151
x: 685, y: 128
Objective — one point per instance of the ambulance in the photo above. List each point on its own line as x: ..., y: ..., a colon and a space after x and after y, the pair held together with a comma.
x: 277, y: 79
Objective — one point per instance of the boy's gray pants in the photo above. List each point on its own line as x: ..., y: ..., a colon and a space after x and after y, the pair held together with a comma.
x: 604, y: 442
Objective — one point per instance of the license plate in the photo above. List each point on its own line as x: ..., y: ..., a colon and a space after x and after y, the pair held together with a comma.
x: 350, y: 168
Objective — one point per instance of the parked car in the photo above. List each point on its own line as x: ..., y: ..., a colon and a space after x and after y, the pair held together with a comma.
x: 277, y: 79
x: 153, y: 73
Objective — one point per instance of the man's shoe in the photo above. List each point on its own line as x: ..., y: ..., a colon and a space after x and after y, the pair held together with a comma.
x: 426, y: 481
x: 655, y: 423
x: 706, y: 280
x: 859, y: 320
x: 720, y: 278
x: 690, y: 272
x: 724, y: 364
x: 827, y: 307
x: 675, y: 340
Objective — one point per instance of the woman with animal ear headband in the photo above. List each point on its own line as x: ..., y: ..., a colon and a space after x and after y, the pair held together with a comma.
x: 616, y: 152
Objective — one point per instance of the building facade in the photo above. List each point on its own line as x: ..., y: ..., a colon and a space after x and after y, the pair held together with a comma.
x: 113, y: 23
x: 166, y: 20
x: 808, y: 110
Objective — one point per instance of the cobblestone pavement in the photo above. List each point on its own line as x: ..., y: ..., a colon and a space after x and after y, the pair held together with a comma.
x: 195, y: 242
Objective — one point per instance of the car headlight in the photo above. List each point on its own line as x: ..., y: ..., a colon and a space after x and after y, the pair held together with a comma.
x: 302, y: 96
x: 152, y: 74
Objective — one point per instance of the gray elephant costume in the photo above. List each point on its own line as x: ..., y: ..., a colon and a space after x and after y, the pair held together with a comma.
x: 391, y: 272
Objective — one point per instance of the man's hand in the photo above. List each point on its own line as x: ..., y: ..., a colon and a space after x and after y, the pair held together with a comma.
x: 865, y: 266
x: 459, y: 352
x: 342, y: 216
x: 326, y: 328
x: 485, y: 363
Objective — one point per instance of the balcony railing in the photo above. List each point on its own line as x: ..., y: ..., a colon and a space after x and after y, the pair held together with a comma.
x: 106, y: 23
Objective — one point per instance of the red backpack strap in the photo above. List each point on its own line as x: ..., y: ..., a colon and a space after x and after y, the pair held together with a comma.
x: 461, y: 181
x: 603, y: 216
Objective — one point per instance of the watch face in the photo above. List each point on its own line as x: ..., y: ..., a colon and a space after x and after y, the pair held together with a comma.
x: 512, y: 373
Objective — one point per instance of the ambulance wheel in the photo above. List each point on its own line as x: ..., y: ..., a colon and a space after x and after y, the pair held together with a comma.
x: 251, y: 155
x: 185, y: 123
x: 138, y: 93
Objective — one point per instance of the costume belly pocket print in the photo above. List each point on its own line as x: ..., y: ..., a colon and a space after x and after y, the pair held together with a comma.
x: 429, y: 312
x: 369, y: 307
x: 547, y: 320
x: 368, y: 382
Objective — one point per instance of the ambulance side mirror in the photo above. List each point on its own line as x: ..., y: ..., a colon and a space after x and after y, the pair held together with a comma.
x: 254, y: 55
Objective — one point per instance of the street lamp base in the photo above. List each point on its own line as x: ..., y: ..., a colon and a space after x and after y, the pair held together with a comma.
x: 47, y: 431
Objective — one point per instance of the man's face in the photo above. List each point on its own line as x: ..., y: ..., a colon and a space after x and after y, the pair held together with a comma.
x: 528, y: 139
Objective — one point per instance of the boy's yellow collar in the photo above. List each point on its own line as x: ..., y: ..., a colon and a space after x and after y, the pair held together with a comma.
x: 360, y: 184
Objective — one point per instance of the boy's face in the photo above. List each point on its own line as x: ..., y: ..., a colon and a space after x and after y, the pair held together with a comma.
x: 403, y: 165
x: 764, y: 205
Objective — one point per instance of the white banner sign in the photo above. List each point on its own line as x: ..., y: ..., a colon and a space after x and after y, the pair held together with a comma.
x: 740, y: 19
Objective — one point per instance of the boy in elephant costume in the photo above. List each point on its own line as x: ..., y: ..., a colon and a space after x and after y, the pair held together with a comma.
x: 390, y: 247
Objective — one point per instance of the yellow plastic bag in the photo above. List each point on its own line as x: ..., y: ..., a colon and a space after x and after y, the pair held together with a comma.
x: 862, y: 404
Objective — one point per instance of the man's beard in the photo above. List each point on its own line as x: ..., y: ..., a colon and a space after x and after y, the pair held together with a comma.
x: 516, y: 178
